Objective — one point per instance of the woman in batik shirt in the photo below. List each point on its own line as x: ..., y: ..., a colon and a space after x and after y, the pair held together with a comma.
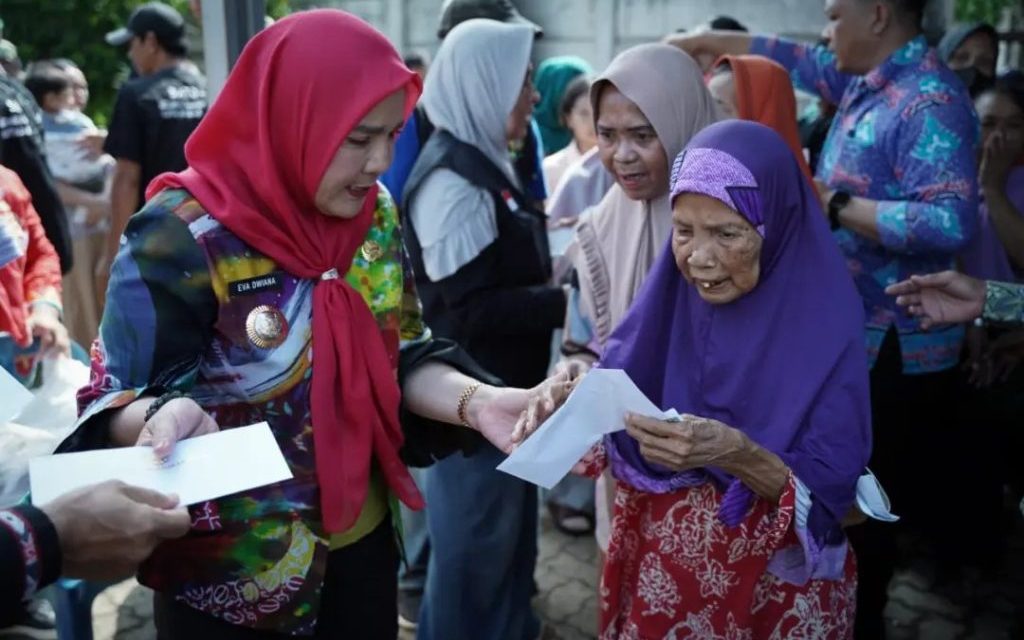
x: 268, y: 282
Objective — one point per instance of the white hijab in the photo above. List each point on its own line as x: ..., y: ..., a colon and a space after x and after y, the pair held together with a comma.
x: 471, y: 89
x: 475, y: 81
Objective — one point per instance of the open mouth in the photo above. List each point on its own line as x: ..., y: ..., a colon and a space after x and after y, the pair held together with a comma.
x: 632, y: 180
x: 710, y: 285
x: 358, y: 192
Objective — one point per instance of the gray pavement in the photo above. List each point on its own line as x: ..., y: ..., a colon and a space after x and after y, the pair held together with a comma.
x: 567, y: 577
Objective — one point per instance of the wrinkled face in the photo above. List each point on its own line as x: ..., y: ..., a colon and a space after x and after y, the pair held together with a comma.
x: 630, y: 148
x: 362, y: 157
x: 850, y: 32
x: 79, y: 88
x: 722, y: 86
x: 581, y: 122
x: 518, y: 124
x: 976, y: 51
x: 715, y: 248
x: 999, y: 114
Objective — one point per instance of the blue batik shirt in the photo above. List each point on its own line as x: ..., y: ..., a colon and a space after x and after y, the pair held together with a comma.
x: 905, y: 136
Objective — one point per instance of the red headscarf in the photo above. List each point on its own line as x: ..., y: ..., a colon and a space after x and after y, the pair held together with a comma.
x: 255, y: 162
x: 764, y: 93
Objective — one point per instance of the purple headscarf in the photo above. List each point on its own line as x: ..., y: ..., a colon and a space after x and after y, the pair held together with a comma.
x: 785, y: 364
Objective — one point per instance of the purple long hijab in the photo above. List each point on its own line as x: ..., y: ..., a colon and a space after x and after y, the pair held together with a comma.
x: 785, y: 363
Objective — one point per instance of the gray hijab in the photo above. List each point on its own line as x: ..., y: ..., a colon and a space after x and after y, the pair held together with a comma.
x: 475, y: 81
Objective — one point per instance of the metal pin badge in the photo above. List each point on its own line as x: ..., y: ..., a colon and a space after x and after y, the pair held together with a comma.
x: 266, y: 327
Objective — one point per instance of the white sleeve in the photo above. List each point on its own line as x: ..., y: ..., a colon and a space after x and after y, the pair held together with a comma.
x: 454, y: 222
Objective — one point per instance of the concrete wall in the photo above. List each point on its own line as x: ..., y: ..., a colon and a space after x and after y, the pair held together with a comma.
x: 598, y: 29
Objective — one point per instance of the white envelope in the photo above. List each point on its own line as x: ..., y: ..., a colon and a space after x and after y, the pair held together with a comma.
x: 596, y: 407
x: 200, y: 469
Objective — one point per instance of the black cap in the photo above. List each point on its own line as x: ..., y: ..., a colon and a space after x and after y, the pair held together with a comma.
x: 455, y: 12
x: 162, y: 20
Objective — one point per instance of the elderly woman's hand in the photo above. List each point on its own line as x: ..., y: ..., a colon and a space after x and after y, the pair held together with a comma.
x: 545, y: 399
x: 690, y: 443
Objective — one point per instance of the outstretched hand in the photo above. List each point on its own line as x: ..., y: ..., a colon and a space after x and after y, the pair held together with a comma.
x: 106, y: 530
x: 948, y: 297
x: 508, y: 416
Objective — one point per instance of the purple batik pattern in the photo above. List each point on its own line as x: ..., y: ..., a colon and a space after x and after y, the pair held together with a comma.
x: 904, y: 137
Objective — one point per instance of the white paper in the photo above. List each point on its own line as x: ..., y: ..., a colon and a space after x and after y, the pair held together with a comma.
x: 596, y: 407
x: 200, y: 469
x: 872, y: 499
x: 13, y: 396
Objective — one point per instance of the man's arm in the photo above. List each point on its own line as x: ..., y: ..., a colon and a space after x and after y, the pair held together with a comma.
x: 125, y: 144
x: 934, y: 153
x: 124, y: 201
x: 812, y: 68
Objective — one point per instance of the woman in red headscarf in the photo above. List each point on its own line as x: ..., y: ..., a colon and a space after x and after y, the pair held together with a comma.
x: 268, y: 282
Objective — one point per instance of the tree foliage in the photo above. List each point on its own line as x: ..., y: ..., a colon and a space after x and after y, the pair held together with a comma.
x: 75, y: 29
x: 990, y: 11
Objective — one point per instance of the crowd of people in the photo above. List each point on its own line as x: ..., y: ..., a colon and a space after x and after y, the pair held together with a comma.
x: 830, y: 300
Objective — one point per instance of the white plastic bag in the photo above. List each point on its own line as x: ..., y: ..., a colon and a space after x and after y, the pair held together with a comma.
x: 54, y: 406
x: 18, y: 445
x: 41, y: 425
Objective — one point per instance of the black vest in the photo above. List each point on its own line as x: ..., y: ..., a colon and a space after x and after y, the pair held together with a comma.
x: 462, y: 306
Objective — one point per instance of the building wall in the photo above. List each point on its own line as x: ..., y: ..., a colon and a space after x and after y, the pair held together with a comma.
x: 598, y: 29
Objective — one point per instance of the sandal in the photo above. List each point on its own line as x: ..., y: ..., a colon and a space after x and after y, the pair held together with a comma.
x: 570, y: 521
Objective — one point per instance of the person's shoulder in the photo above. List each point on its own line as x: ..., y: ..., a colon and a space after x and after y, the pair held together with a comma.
x: 175, y: 202
x: 183, y: 81
x: 932, y: 88
x: 445, y: 187
x: 187, y: 71
x: 132, y: 87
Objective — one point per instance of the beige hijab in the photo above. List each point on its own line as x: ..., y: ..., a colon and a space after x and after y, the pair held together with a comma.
x: 618, y: 242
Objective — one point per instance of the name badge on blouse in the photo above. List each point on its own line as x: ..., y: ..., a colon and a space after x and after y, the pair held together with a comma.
x: 266, y: 327
x: 510, y: 202
x: 259, y: 284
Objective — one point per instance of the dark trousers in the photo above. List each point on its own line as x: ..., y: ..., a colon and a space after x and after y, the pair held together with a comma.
x: 914, y: 456
x: 358, y: 600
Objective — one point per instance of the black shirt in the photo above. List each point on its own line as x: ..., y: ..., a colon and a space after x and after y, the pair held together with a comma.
x: 21, y: 151
x: 153, y: 117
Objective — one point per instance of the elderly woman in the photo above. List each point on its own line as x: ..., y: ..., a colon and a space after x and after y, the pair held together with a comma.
x: 482, y: 263
x: 268, y: 282
x: 758, y: 89
x: 727, y: 522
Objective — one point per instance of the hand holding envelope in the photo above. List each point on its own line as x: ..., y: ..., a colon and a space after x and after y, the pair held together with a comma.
x: 597, y: 406
x: 199, y: 469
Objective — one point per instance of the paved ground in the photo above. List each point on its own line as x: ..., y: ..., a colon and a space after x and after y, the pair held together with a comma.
x: 918, y: 610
